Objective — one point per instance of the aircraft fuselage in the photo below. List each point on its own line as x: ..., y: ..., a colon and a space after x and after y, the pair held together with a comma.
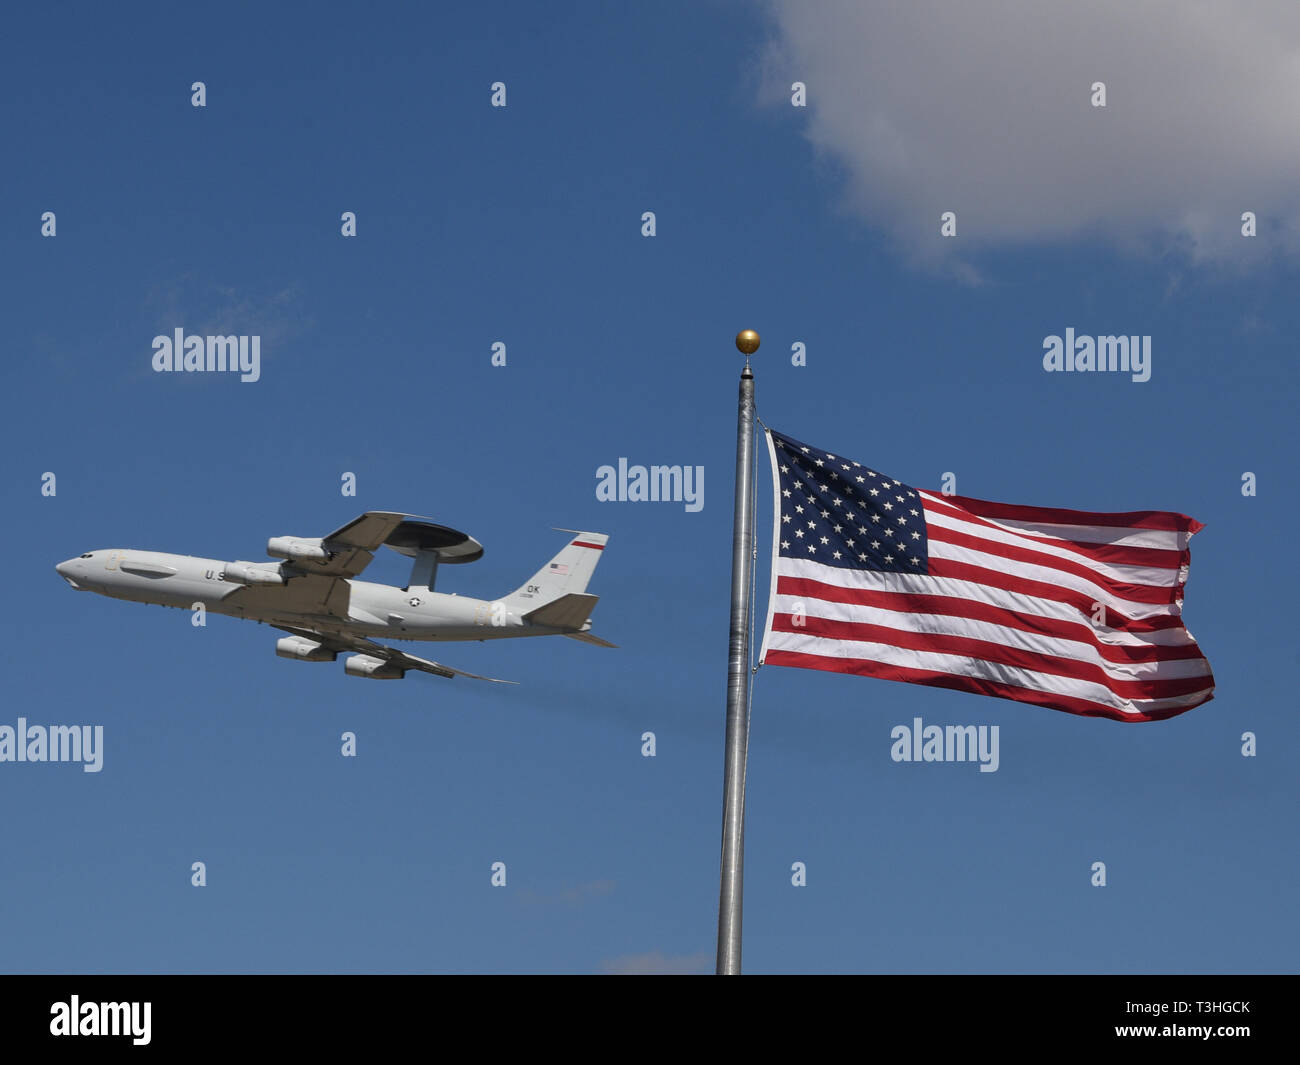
x: 294, y: 599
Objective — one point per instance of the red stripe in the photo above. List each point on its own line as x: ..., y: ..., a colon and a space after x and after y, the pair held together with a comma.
x: 1137, y: 593
x: 988, y: 651
x: 1019, y: 586
x: 978, y: 686
x: 952, y: 606
x: 992, y: 578
x: 1160, y: 520
x: 583, y: 543
x: 1115, y: 554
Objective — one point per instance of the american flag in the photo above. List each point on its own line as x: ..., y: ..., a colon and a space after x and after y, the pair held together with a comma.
x: 1065, y: 609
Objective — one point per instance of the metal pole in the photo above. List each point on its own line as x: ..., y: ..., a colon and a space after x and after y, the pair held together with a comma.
x: 731, y: 891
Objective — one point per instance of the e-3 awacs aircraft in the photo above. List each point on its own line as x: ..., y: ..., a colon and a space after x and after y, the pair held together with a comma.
x: 313, y: 594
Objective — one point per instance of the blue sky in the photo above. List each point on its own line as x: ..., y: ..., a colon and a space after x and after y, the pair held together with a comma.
x: 522, y: 225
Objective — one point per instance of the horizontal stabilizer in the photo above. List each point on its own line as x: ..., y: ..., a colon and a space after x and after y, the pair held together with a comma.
x: 567, y: 612
x: 589, y: 637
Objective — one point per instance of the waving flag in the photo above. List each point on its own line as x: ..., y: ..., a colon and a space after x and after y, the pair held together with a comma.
x: 1066, y: 609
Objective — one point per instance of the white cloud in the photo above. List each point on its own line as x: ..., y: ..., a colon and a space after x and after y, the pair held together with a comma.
x: 208, y: 308
x: 578, y: 895
x: 656, y: 963
x: 982, y: 107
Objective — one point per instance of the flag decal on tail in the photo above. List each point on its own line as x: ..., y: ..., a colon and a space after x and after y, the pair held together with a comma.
x: 1065, y: 609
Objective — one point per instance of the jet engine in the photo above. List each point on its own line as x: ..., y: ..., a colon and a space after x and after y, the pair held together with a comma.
x: 374, y: 668
x: 303, y: 650
x: 296, y: 548
x: 247, y: 573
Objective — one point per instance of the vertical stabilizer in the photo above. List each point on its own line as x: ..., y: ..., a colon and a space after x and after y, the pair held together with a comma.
x: 566, y: 574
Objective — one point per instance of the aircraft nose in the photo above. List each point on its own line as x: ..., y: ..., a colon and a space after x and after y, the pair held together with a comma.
x: 68, y: 570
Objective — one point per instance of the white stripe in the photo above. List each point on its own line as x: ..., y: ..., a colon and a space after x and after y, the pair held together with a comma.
x: 1161, y: 539
x: 920, y: 584
x: 964, y: 666
x: 1155, y: 576
x: 1080, y: 650
x: 1047, y: 575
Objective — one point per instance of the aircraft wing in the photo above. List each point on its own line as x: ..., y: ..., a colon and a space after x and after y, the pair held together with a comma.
x: 349, y: 549
x: 344, y: 642
x: 368, y: 531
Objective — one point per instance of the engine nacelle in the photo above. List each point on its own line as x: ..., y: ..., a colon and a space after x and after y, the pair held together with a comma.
x: 247, y: 573
x: 374, y: 668
x: 296, y: 548
x: 303, y: 650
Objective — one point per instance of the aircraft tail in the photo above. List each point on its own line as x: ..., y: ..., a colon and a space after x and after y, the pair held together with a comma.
x: 566, y: 574
x: 570, y: 612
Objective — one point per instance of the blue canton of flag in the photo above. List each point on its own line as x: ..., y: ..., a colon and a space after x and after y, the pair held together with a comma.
x: 841, y: 513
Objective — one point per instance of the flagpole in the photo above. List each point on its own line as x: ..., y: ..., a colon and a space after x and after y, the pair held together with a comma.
x: 732, y: 880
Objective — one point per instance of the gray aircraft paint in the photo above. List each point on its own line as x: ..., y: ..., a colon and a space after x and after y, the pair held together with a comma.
x: 345, y: 613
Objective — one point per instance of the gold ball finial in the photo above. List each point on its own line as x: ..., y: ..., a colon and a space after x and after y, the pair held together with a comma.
x: 747, y: 342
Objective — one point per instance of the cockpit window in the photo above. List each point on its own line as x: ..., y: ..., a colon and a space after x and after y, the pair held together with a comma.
x: 88, y: 554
